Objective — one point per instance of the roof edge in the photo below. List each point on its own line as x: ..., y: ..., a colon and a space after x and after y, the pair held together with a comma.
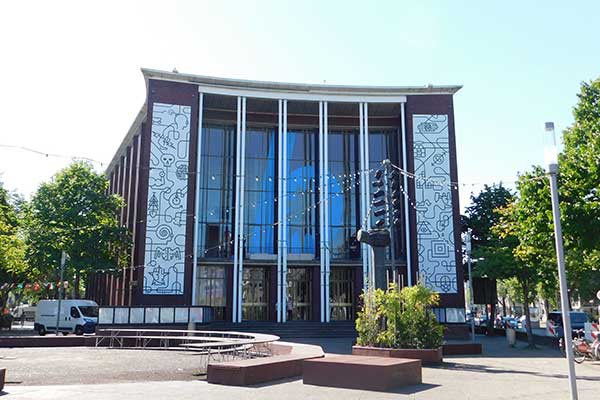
x: 297, y: 87
x: 128, y: 139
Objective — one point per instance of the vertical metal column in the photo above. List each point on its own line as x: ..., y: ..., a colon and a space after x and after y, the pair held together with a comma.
x: 280, y: 166
x: 406, y: 211
x: 285, y: 217
x: 363, y: 201
x: 326, y: 218
x: 197, y: 199
x: 238, y: 146
x: 370, y: 260
x: 322, y: 255
x: 241, y: 225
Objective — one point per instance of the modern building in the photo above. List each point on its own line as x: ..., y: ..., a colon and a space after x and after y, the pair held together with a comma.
x: 246, y: 197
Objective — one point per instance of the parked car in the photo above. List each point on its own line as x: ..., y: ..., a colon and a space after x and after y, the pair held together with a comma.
x: 510, y: 322
x: 481, y: 321
x: 76, y: 316
x: 578, y: 320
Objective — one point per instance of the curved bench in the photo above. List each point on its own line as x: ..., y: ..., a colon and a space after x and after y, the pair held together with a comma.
x: 286, y: 362
x: 189, y: 339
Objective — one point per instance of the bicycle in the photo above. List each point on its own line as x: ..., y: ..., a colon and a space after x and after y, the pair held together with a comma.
x: 582, y: 350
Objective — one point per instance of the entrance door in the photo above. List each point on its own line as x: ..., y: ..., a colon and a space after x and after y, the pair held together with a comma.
x: 211, y: 291
x: 255, y: 294
x: 299, y: 294
x: 341, y: 293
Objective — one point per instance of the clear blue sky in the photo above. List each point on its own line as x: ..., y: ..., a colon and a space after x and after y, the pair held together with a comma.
x: 71, y: 84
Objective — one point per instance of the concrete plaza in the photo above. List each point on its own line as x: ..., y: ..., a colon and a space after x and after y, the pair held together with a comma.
x: 75, y: 373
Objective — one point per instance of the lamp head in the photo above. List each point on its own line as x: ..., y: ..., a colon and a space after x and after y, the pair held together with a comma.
x: 550, y: 150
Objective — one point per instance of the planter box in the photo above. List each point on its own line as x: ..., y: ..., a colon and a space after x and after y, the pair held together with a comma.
x: 427, y: 356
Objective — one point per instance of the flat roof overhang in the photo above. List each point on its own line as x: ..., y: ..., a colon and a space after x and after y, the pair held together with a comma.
x: 285, y: 91
x: 299, y: 91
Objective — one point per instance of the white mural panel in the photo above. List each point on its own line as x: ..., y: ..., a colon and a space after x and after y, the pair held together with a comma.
x: 435, y: 230
x: 164, y: 258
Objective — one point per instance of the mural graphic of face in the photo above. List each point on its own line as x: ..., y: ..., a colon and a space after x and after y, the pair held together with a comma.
x: 167, y: 159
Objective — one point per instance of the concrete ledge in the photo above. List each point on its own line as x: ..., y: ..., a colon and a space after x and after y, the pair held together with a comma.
x: 427, y: 356
x: 453, y: 349
x: 286, y: 362
x: 46, y: 341
x: 360, y: 372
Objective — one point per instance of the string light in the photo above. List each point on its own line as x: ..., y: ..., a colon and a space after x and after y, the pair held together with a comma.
x: 47, y: 154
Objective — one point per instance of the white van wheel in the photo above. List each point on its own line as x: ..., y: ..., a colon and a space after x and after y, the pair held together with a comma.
x: 42, y: 330
x: 79, y: 330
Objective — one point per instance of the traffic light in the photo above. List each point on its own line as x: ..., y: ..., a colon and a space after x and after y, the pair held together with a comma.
x: 396, y: 199
x: 379, y: 202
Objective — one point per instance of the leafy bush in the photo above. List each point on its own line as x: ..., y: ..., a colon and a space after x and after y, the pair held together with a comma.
x: 368, y: 321
x: 399, y: 319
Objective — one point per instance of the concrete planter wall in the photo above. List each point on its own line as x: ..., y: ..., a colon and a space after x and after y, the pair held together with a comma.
x: 427, y: 356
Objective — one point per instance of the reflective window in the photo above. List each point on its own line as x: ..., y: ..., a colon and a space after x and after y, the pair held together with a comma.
x: 260, y: 207
x: 301, y: 190
x: 343, y: 194
x: 216, y: 191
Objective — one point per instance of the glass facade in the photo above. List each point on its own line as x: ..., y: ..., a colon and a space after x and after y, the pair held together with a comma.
x: 259, y: 197
x: 216, y: 191
x: 343, y: 194
x: 301, y: 191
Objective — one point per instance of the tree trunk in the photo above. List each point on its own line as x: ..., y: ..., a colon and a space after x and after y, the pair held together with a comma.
x: 491, y: 320
x: 504, y: 306
x: 528, y: 329
x: 76, y: 282
x: 3, y: 300
x: 546, y: 308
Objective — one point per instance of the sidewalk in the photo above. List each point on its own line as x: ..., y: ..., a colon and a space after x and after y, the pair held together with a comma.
x: 500, y: 373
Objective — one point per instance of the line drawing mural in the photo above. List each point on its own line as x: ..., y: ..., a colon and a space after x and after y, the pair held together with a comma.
x: 164, y: 257
x: 435, y: 230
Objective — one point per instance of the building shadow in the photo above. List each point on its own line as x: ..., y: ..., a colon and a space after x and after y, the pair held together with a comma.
x: 478, y: 368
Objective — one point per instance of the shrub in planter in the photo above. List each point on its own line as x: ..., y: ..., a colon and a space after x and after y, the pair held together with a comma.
x: 399, y: 319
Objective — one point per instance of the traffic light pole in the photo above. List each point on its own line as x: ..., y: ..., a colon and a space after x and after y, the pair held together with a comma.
x: 390, y: 222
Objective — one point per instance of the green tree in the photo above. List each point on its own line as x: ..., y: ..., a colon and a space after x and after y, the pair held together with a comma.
x: 579, y: 182
x: 523, y: 241
x: 74, y: 213
x: 482, y: 215
x: 13, y: 269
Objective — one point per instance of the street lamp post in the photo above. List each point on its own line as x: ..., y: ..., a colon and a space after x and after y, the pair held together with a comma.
x: 551, y: 155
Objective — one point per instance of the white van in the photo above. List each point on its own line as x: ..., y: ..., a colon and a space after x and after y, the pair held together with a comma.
x: 78, y: 316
